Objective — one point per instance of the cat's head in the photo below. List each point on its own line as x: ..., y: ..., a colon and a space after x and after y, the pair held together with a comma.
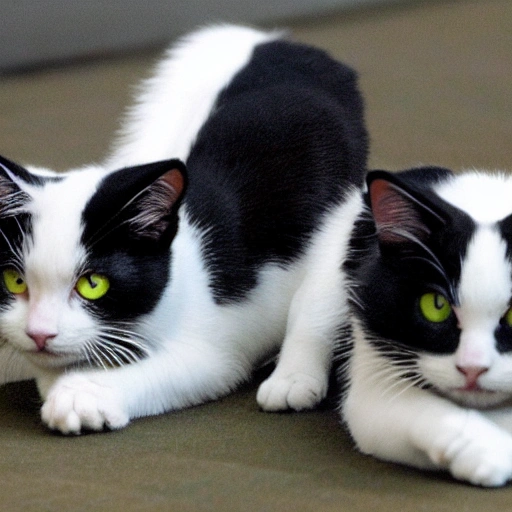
x: 83, y: 257
x: 432, y: 261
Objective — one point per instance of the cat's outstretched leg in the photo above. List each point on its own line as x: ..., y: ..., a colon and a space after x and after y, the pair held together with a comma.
x: 416, y: 427
x: 437, y: 435
x: 477, y: 450
x: 184, y: 375
x: 301, y: 376
x: 77, y: 402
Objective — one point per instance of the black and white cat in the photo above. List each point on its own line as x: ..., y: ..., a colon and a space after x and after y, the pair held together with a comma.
x: 427, y: 343
x: 131, y: 289
x: 430, y: 372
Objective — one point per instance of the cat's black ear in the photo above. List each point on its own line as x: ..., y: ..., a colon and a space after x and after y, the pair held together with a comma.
x: 157, y: 205
x: 142, y: 200
x: 402, y: 213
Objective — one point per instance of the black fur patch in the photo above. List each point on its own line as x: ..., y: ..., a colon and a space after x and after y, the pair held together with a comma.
x: 392, y: 276
x: 283, y: 144
x: 136, y: 266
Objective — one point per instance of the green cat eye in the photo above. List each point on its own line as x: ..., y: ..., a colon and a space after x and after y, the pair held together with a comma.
x: 435, y: 307
x: 14, y: 281
x: 508, y: 317
x: 92, y: 286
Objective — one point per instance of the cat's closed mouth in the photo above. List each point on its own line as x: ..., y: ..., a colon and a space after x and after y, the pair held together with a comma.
x: 475, y: 388
x: 477, y: 397
x: 47, y: 358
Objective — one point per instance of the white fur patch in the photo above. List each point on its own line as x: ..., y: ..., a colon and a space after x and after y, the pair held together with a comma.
x: 485, y: 197
x: 56, y: 210
x: 177, y: 100
x: 52, y: 257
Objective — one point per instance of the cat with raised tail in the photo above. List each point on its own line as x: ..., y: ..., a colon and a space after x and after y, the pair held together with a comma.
x: 135, y: 288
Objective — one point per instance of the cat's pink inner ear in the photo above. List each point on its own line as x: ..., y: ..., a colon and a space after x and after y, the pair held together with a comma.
x: 175, y: 183
x: 157, y: 203
x: 396, y: 216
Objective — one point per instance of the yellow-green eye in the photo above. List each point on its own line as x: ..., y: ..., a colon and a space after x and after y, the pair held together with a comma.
x: 435, y: 307
x: 92, y: 286
x: 508, y: 317
x: 14, y: 281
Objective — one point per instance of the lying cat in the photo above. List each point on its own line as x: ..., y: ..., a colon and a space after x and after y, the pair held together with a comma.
x: 431, y: 358
x: 428, y: 341
x: 135, y: 288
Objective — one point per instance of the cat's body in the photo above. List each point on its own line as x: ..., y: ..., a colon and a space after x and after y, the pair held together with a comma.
x: 115, y: 325
x: 427, y: 345
x: 430, y: 374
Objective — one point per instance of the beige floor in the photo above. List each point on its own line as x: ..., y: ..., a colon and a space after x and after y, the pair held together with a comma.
x: 436, y: 76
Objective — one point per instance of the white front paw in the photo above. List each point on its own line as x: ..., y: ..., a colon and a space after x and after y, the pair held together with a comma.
x: 481, y: 465
x: 484, y: 461
x: 75, y: 403
x: 481, y: 454
x: 296, y: 391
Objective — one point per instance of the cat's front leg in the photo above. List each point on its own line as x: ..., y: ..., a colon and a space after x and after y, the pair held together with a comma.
x: 178, y: 376
x: 423, y: 430
x: 77, y: 402
x: 300, y: 379
x: 318, y: 312
x: 480, y: 453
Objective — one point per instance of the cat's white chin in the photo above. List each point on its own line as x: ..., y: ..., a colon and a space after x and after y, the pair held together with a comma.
x: 478, y: 398
x: 46, y: 359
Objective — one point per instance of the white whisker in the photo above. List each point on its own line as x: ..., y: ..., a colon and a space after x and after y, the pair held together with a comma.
x: 92, y: 357
x: 114, y: 346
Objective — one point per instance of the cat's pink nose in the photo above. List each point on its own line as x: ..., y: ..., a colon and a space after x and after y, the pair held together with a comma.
x: 41, y: 338
x: 472, y: 374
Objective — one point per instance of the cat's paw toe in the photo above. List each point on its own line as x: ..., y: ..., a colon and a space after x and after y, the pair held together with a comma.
x: 76, y: 403
x: 492, y: 475
x: 297, y: 391
x: 481, y: 452
x: 491, y: 469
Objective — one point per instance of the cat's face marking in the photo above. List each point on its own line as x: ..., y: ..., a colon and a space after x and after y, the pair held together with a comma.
x: 47, y: 321
x: 62, y: 312
x: 485, y: 288
x: 467, y: 355
x: 477, y: 373
x: 484, y: 197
